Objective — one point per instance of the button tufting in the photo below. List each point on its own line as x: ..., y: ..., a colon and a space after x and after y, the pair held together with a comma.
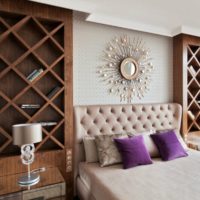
x: 134, y: 127
x: 158, y: 116
x: 129, y: 118
x: 143, y: 109
x: 162, y: 124
x: 88, y: 132
x: 149, y: 117
x: 113, y: 129
x: 124, y: 128
x: 112, y: 110
x: 166, y: 116
x: 123, y: 109
x: 107, y: 120
x: 139, y: 118
x: 153, y: 125
x: 100, y: 110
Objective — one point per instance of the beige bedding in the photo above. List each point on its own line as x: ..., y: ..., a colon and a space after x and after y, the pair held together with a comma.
x: 172, y: 180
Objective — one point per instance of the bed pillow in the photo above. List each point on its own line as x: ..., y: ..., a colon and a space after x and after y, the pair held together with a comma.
x: 91, y: 154
x: 133, y: 151
x: 150, y: 145
x: 107, y: 151
x: 179, y: 138
x: 168, y: 145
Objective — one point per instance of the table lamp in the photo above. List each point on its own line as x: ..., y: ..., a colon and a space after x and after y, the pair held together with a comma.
x: 25, y: 135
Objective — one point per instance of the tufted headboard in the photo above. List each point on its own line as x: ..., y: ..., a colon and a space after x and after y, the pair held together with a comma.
x: 110, y: 119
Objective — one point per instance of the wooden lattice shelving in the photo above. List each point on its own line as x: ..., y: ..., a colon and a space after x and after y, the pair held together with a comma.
x: 193, y: 87
x: 28, y: 43
x: 187, y: 80
x: 34, y: 36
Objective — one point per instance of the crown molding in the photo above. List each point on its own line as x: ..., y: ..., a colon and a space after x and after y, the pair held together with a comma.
x: 98, y: 17
x: 125, y: 23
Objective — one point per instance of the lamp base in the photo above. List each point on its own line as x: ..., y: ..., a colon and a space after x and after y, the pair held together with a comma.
x: 26, y: 180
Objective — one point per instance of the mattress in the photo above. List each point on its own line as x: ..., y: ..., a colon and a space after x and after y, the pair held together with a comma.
x: 170, y: 180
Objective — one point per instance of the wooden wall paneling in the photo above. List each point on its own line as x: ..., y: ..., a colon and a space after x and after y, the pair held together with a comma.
x: 13, y: 164
x: 69, y: 103
x: 186, y: 52
x: 34, y: 36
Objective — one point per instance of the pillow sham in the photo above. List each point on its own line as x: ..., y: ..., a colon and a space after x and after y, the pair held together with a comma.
x: 91, y: 154
x: 168, y: 145
x: 133, y: 151
x: 107, y: 151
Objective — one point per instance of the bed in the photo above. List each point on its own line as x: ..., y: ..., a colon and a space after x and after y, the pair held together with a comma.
x: 171, y: 180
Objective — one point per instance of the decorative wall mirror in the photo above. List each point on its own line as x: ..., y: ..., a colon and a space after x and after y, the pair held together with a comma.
x: 127, y: 68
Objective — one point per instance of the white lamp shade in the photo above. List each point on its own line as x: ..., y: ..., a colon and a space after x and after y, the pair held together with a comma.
x: 27, y: 133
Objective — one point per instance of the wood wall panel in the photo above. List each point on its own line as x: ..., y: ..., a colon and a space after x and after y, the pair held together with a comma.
x: 36, y: 14
x: 183, y: 86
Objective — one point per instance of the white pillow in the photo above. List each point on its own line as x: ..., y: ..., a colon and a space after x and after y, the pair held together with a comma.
x: 91, y: 154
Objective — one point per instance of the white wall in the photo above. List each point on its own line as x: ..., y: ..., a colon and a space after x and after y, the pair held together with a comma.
x: 89, y: 41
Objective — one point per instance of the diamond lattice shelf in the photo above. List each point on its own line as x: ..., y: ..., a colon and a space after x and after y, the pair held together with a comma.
x: 31, y: 44
x: 193, y: 94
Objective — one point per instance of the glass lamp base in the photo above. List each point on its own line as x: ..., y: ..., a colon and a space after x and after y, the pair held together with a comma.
x: 26, y: 180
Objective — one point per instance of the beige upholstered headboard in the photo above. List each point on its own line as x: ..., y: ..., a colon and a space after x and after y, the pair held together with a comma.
x: 110, y: 119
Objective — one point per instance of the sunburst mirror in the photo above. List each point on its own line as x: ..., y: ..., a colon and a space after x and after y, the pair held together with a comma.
x: 127, y: 68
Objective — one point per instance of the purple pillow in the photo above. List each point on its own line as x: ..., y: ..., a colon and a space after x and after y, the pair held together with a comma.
x: 133, y: 151
x: 168, y: 145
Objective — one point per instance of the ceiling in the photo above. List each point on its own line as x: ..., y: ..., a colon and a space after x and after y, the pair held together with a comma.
x: 167, y: 18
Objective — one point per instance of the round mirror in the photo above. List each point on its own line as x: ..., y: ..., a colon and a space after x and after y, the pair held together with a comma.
x: 129, y: 68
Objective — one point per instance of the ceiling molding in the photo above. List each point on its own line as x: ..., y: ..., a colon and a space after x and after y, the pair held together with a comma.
x: 95, y: 13
x: 124, y: 23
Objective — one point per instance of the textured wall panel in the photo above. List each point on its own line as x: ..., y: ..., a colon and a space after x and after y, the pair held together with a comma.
x: 89, y: 40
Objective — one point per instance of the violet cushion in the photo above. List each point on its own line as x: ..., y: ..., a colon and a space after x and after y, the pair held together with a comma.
x: 168, y: 145
x: 133, y: 151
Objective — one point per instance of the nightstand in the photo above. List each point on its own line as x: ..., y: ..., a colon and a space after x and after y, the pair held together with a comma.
x: 193, y: 141
x: 51, y: 186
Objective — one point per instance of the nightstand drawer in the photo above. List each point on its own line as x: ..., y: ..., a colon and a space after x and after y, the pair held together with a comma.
x: 56, y: 190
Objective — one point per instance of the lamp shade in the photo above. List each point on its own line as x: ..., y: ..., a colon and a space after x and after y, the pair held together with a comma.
x: 27, y: 133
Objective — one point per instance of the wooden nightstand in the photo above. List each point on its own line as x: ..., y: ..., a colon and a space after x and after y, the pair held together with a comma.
x: 193, y: 141
x: 51, y: 186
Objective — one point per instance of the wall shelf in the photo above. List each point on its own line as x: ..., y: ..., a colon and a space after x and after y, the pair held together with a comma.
x: 187, y: 88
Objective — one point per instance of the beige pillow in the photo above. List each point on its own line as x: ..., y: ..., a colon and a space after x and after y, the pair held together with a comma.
x: 150, y: 145
x: 91, y: 154
x: 107, y: 151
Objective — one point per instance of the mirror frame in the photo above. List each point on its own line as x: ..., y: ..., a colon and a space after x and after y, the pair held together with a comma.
x: 124, y: 74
